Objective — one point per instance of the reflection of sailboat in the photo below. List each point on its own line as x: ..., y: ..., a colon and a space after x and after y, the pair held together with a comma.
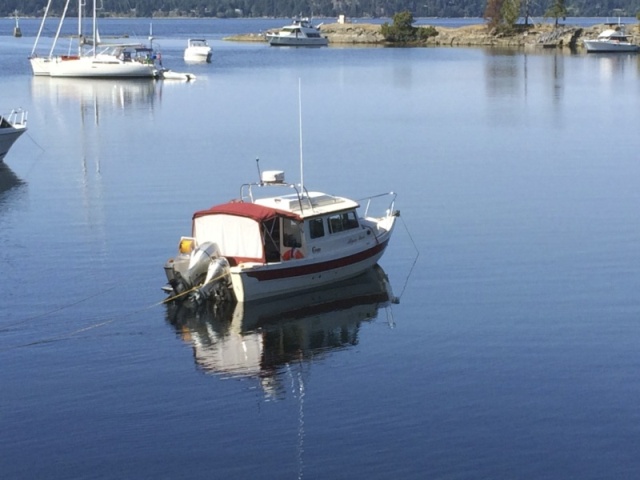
x: 109, y: 94
x: 261, y: 339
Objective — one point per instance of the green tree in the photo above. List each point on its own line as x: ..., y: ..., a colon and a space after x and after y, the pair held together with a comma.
x: 557, y: 10
x: 510, y: 12
x: 403, y: 31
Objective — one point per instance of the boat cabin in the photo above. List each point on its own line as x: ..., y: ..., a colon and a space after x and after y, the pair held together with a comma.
x: 280, y: 228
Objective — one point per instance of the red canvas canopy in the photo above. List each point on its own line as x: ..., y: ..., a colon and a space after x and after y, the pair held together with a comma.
x: 256, y: 212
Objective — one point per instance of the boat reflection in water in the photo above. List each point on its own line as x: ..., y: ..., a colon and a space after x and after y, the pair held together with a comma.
x: 109, y: 94
x: 260, y: 339
x: 9, y: 182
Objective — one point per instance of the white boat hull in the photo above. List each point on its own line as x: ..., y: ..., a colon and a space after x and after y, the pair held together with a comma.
x: 9, y: 135
x: 598, y: 46
x: 100, y: 67
x: 256, y: 281
x: 41, y: 66
x: 287, y: 41
x: 197, y: 56
x: 7, y: 139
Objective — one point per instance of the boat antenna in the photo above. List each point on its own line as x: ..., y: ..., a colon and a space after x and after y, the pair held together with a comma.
x: 300, y: 126
x: 259, y: 173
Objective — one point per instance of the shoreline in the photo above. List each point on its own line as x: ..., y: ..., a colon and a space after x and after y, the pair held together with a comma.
x: 537, y: 35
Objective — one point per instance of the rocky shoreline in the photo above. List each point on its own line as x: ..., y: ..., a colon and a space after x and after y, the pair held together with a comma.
x: 539, y: 35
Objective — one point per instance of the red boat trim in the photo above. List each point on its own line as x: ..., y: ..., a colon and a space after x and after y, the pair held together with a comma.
x: 280, y: 273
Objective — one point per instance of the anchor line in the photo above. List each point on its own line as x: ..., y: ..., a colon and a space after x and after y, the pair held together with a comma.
x: 415, y: 260
x: 101, y: 323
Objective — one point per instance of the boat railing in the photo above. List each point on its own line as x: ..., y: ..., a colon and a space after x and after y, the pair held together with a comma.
x: 17, y: 116
x: 382, y: 197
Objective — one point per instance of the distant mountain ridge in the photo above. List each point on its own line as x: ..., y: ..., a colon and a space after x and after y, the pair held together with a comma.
x: 317, y: 8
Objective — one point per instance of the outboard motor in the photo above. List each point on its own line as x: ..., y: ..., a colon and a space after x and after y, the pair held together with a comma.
x: 205, y: 266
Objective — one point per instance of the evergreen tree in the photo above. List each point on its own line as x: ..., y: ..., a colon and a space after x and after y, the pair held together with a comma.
x: 557, y: 10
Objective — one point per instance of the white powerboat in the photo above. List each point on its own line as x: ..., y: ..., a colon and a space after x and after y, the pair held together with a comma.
x: 613, y: 39
x: 198, y: 50
x: 94, y: 59
x: 11, y: 128
x: 299, y: 34
x: 275, y: 245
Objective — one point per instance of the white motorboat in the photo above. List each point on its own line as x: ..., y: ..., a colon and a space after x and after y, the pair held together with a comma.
x: 613, y: 39
x: 198, y: 50
x: 94, y: 59
x: 11, y: 128
x: 275, y: 245
x: 301, y: 33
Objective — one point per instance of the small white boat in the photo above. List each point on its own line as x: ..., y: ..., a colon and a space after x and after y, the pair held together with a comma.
x: 301, y: 33
x: 198, y: 50
x: 167, y: 74
x: 273, y: 246
x: 613, y: 39
x: 11, y: 127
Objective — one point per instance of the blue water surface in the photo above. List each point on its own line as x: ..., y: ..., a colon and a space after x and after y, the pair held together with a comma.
x: 512, y: 352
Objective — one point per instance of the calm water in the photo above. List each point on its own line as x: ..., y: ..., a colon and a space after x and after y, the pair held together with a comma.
x: 513, y: 352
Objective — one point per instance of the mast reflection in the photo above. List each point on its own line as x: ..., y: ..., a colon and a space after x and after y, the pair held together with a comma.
x: 261, y: 339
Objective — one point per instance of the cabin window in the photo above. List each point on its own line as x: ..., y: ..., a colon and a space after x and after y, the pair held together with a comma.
x: 271, y: 239
x: 291, y: 234
x: 343, y: 221
x: 316, y: 228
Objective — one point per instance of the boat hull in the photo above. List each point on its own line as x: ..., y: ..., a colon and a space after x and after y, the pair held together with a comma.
x: 197, y: 56
x: 286, y: 41
x: 8, y: 136
x: 90, y: 67
x: 598, y: 46
x: 41, y: 66
x: 256, y: 281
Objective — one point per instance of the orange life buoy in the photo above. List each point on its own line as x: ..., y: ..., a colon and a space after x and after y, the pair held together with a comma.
x: 292, y: 253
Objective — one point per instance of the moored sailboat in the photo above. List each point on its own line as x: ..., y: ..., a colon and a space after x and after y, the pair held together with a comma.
x: 101, y: 60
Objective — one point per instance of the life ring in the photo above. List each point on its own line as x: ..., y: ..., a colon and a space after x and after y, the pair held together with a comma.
x: 292, y: 253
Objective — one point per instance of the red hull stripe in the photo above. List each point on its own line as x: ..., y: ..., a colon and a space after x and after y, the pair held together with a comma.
x: 280, y: 273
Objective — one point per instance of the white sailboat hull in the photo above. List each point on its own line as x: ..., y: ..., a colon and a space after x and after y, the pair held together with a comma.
x: 106, y: 66
x: 41, y: 66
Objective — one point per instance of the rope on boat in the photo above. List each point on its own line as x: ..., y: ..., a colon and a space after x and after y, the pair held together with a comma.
x: 415, y: 260
x: 99, y: 324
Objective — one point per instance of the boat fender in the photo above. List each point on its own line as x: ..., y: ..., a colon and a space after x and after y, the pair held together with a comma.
x: 292, y: 253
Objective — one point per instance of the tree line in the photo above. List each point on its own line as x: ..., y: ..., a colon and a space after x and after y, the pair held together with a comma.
x: 490, y: 9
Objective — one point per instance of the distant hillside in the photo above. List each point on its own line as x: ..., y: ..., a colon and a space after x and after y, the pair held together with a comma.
x: 317, y: 8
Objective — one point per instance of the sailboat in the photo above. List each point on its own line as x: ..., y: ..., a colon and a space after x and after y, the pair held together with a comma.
x: 101, y: 60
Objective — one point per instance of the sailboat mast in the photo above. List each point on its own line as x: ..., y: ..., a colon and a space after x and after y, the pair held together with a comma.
x: 94, y: 32
x: 55, y: 40
x: 79, y: 27
x: 46, y: 12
